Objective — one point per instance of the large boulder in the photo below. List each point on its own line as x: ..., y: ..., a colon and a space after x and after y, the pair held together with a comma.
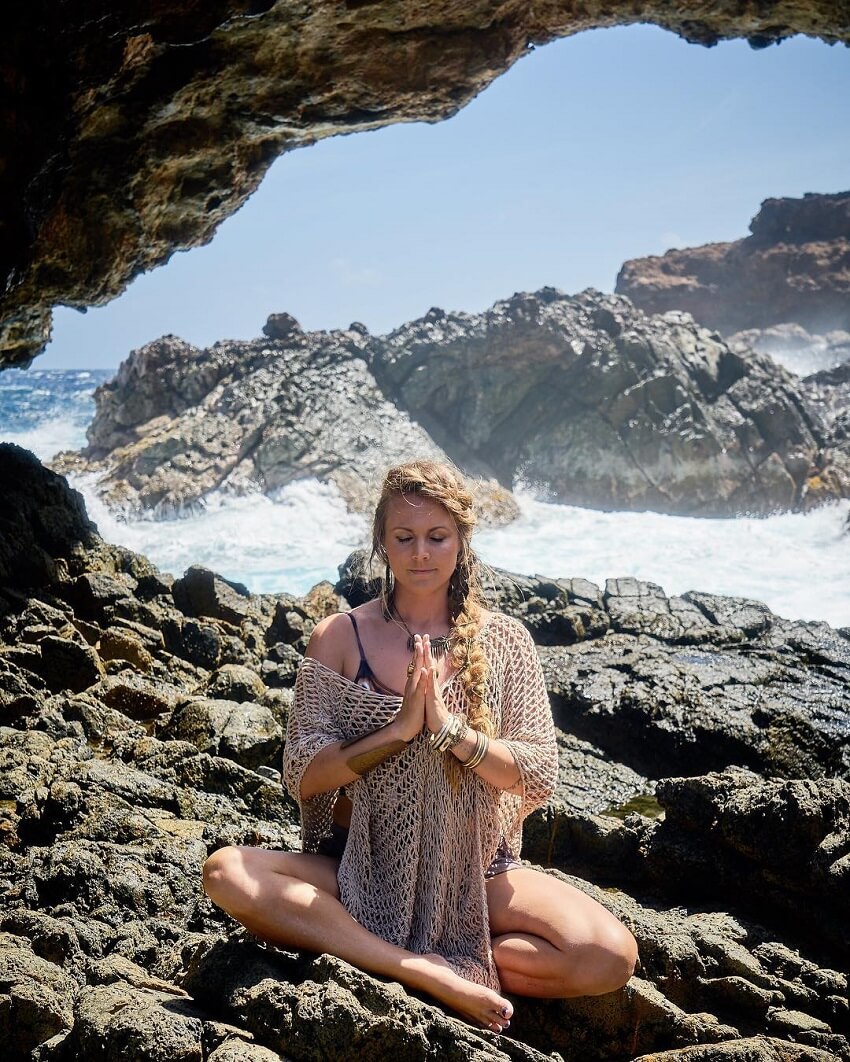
x: 598, y: 404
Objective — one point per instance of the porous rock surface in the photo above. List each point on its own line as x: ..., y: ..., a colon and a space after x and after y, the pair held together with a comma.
x: 584, y: 396
x: 134, y: 130
x: 793, y: 267
x: 113, y: 794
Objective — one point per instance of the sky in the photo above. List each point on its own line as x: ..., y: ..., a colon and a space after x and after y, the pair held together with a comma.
x: 610, y: 145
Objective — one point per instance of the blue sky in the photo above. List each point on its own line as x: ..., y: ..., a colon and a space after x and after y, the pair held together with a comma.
x: 598, y: 148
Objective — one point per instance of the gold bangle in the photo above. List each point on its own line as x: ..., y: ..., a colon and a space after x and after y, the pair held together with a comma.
x: 482, y: 744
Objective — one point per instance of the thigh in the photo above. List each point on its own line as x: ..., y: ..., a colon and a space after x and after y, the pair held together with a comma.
x: 529, y: 901
x: 318, y: 870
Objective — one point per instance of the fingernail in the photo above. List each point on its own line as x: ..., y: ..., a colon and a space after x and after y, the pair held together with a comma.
x: 504, y: 1012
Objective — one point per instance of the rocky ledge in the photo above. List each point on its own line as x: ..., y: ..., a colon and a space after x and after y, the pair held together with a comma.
x: 792, y: 268
x: 705, y: 791
x: 134, y: 130
x: 592, y: 401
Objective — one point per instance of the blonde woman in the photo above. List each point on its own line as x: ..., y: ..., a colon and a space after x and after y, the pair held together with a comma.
x: 419, y: 739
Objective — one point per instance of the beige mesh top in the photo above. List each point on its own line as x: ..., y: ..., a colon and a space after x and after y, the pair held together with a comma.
x: 413, y: 868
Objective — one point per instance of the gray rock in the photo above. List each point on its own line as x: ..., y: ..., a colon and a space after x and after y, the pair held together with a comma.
x: 245, y: 732
x: 36, y: 998
x: 128, y: 1023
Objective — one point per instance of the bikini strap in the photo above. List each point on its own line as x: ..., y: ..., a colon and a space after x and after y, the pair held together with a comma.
x: 363, y: 659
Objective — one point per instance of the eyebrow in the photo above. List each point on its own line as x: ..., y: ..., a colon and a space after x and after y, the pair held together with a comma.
x: 401, y: 527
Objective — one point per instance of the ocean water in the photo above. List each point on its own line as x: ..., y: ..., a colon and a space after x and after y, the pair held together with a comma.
x: 798, y: 564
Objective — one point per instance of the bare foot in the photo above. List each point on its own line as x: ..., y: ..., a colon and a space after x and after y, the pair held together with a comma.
x: 476, y: 1003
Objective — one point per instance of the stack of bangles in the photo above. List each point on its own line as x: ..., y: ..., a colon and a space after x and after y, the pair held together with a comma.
x: 451, y: 733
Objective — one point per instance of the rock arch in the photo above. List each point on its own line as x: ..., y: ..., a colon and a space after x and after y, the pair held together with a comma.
x: 133, y: 130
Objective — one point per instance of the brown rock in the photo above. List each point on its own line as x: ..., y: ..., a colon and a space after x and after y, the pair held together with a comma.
x: 793, y: 268
x: 139, y: 132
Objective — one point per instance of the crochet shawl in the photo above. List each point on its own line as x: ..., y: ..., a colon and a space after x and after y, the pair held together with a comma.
x: 413, y: 867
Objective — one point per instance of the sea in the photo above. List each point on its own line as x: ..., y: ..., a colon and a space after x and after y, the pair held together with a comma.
x: 798, y: 564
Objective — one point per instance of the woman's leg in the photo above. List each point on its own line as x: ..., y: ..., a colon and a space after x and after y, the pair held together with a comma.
x: 550, y: 940
x: 292, y: 899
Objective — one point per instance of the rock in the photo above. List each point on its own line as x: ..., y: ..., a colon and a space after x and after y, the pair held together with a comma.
x: 241, y: 417
x: 279, y: 998
x: 585, y: 397
x: 203, y: 593
x: 611, y: 408
x: 781, y: 843
x: 245, y: 732
x: 282, y: 326
x: 36, y: 998
x: 792, y: 268
x: 44, y: 529
x: 126, y: 1023
x: 233, y: 682
x: 749, y: 1049
x: 103, y: 184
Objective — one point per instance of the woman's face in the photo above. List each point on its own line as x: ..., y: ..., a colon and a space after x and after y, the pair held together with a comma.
x: 422, y: 542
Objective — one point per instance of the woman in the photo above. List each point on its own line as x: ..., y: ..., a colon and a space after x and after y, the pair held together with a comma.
x: 413, y: 874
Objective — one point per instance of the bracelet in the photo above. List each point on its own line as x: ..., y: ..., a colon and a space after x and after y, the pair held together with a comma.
x: 482, y: 744
x: 449, y: 734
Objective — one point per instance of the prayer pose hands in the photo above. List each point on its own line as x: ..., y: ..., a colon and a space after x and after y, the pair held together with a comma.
x: 411, y: 715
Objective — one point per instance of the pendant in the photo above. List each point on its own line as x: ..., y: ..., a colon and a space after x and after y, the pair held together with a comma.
x: 439, y: 646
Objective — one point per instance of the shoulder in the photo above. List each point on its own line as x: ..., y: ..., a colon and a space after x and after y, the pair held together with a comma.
x: 502, y: 626
x: 330, y: 641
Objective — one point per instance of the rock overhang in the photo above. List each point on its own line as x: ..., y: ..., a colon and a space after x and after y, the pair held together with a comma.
x: 134, y: 132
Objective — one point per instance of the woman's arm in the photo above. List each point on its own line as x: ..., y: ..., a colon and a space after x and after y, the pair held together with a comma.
x: 341, y: 762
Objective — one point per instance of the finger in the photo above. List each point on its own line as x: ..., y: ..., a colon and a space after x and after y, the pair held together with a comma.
x: 428, y: 660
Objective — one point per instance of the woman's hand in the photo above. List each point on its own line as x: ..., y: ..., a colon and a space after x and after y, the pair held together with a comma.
x: 411, y: 716
x: 436, y: 712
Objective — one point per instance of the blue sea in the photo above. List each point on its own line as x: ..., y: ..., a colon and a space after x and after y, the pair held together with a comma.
x: 798, y: 564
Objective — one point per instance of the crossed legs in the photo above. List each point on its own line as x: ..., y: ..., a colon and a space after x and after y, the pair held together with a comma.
x: 549, y: 939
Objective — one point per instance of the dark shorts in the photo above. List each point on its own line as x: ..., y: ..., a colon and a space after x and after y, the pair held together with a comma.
x: 334, y: 845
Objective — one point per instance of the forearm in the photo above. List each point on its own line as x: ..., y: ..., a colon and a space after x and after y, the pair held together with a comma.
x: 344, y: 761
x: 498, y: 767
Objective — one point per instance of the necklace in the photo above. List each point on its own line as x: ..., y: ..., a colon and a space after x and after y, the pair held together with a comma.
x: 439, y: 645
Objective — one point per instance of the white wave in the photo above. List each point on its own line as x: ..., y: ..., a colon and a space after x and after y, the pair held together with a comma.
x: 49, y: 438
x: 798, y: 564
x: 286, y: 543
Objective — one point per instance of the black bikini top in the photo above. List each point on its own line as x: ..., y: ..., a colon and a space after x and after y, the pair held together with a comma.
x: 365, y: 676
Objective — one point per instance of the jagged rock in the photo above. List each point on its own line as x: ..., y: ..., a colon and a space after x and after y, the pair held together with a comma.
x: 175, y: 424
x: 750, y: 1049
x: 279, y: 997
x: 128, y: 1023
x: 282, y: 326
x: 104, y: 828
x: 792, y: 268
x: 201, y: 592
x: 44, y: 529
x: 600, y: 405
x: 585, y: 396
x: 36, y: 998
x: 245, y: 732
x: 758, y: 691
x: 786, y: 843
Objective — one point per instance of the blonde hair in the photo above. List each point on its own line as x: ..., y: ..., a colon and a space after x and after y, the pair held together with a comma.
x: 443, y: 483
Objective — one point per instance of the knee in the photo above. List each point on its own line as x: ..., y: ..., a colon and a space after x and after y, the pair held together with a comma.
x: 221, y: 872
x: 618, y: 956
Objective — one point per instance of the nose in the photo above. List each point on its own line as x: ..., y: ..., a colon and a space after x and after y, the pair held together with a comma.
x: 422, y: 550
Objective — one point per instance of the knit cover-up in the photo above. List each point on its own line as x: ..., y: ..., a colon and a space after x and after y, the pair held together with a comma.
x: 413, y: 867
